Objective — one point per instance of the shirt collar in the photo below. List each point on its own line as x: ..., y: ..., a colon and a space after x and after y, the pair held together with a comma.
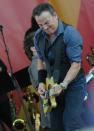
x: 60, y: 27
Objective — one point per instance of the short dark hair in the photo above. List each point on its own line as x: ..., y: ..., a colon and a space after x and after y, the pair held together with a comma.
x: 29, y: 38
x: 41, y: 8
x: 34, y: 24
x: 28, y: 42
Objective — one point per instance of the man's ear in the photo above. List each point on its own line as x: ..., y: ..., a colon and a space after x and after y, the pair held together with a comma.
x: 32, y: 48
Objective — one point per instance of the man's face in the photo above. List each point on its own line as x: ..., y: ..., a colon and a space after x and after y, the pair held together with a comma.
x: 47, y: 22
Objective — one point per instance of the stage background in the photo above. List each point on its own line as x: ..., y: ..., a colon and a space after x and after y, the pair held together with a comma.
x: 15, y: 16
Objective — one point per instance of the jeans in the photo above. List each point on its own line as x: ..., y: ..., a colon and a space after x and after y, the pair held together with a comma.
x: 70, y: 107
x: 71, y: 129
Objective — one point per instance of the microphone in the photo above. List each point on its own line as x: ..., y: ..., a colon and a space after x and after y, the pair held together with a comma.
x: 1, y: 26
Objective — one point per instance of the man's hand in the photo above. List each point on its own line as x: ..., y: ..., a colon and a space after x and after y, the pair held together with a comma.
x: 55, y: 90
x: 42, y: 89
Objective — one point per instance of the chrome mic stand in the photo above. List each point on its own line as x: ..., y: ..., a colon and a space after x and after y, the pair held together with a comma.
x: 14, y: 81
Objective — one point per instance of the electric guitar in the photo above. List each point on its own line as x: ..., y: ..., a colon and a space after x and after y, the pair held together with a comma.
x: 50, y: 101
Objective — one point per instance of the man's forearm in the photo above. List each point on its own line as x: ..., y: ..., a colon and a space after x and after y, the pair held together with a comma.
x: 73, y: 71
x: 41, y: 65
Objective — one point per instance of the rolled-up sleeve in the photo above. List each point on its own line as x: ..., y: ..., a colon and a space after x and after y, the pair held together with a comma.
x: 74, y: 44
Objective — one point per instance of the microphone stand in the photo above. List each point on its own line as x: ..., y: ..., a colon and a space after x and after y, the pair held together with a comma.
x: 14, y: 81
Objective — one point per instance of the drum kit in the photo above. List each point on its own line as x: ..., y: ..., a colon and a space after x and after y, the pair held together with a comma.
x: 90, y: 59
x: 88, y: 114
x: 90, y: 81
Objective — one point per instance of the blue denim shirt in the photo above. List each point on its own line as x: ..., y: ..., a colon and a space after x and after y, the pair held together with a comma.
x: 72, y: 39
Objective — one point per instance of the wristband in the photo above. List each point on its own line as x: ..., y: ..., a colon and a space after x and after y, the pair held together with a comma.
x: 64, y: 84
x: 42, y: 76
